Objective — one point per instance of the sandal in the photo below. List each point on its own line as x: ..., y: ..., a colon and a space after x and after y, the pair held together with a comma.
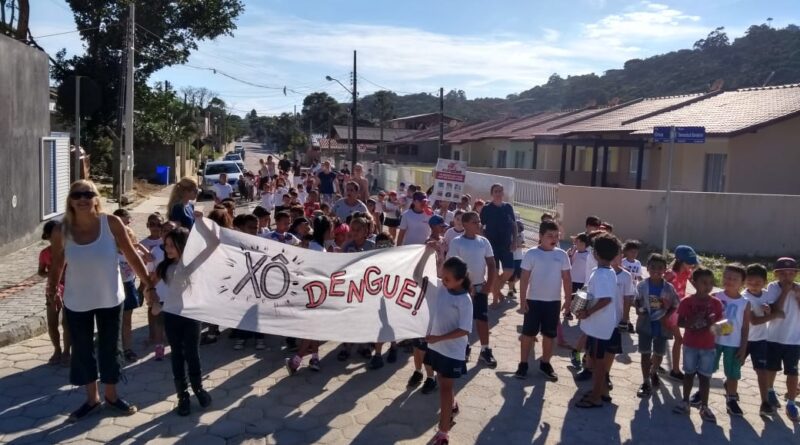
x: 122, y: 406
x: 83, y: 411
x: 586, y: 403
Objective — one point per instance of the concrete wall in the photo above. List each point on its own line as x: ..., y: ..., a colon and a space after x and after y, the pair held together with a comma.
x: 766, y: 161
x: 148, y: 157
x: 720, y: 223
x: 24, y: 120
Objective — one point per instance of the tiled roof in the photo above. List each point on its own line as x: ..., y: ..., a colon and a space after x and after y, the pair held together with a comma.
x: 731, y: 112
x: 468, y: 131
x: 508, y: 129
x: 418, y: 116
x: 550, y: 127
x: 373, y: 134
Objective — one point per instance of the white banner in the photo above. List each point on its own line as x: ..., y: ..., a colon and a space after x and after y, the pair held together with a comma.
x: 448, y: 180
x: 246, y: 282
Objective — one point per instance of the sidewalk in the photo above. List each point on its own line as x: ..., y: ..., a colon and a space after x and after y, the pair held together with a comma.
x: 22, y: 309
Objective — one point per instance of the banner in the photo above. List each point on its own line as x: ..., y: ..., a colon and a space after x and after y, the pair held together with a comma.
x: 246, y: 282
x: 448, y: 180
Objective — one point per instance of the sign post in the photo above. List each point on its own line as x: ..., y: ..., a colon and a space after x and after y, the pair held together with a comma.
x: 681, y: 135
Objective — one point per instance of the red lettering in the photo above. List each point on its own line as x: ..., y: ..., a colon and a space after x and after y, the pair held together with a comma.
x: 356, y: 290
x: 406, y: 291
x: 373, y: 287
x: 313, y: 299
x: 386, y: 293
x: 335, y: 280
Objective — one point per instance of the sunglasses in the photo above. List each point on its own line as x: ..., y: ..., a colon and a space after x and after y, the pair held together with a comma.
x: 85, y: 195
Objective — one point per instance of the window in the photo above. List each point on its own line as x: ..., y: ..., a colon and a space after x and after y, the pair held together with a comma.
x: 714, y: 176
x: 402, y: 150
x: 501, y: 159
x: 585, y: 155
x: 228, y: 167
x: 519, y: 159
x: 413, y: 150
x: 55, y: 175
x: 456, y: 155
x: 634, y: 164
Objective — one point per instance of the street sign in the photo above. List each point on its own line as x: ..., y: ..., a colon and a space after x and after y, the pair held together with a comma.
x: 683, y: 135
x: 662, y: 134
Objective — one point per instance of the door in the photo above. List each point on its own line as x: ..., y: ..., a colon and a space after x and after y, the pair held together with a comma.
x: 714, y: 176
x: 501, y: 159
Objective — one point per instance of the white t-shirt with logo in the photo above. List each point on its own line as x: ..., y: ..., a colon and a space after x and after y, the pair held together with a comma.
x: 474, y: 252
x: 758, y: 332
x: 591, y: 263
x: 601, y: 324
x: 785, y: 330
x: 451, y: 311
x: 545, y: 267
x: 416, y: 227
x: 625, y: 288
x: 579, y: 266
x: 222, y: 191
x: 732, y: 309
x: 634, y: 267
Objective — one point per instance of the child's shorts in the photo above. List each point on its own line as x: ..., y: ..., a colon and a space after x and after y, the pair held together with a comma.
x: 444, y: 366
x: 131, y: 296
x: 542, y: 316
x: 480, y: 303
x: 652, y: 345
x: 517, y: 269
x: 700, y: 361
x: 757, y: 350
x: 420, y: 343
x: 730, y: 364
x: 778, y: 354
x: 598, y: 348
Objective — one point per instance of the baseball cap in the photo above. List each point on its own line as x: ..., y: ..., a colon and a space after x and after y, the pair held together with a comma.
x: 786, y: 263
x: 436, y: 220
x: 686, y: 254
x: 419, y: 196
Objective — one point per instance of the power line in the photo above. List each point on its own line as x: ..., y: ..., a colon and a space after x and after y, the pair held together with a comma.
x: 73, y: 32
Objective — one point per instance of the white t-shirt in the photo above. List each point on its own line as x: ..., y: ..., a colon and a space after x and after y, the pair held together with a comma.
x: 451, y: 312
x: 601, y: 324
x: 579, y: 267
x: 591, y: 263
x: 149, y: 244
x: 416, y: 227
x: 758, y: 332
x: 634, y: 267
x: 625, y: 288
x: 450, y: 235
x: 342, y: 209
x: 222, y: 191
x: 448, y: 216
x: 785, y: 330
x: 545, y: 267
x: 302, y: 196
x: 474, y: 252
x: 161, y: 287
x: 732, y: 309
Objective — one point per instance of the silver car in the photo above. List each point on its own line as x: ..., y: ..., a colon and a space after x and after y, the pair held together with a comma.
x: 212, y: 170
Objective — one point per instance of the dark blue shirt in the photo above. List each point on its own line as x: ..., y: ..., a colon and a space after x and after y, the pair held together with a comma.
x: 326, y: 182
x: 183, y: 214
x: 499, y: 223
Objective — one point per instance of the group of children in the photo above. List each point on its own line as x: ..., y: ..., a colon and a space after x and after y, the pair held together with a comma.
x: 749, y: 316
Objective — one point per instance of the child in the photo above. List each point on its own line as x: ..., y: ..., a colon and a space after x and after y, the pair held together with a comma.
x: 477, y: 252
x: 655, y: 302
x: 760, y: 313
x: 359, y: 234
x: 578, y: 256
x: 519, y: 245
x: 281, y: 233
x: 455, y: 231
x: 151, y: 242
x: 246, y: 224
x: 129, y: 286
x: 783, y: 334
x: 545, y: 273
x: 312, y: 203
x: 60, y: 356
x: 392, y: 208
x: 263, y: 220
x: 451, y: 323
x: 154, y: 307
x: 341, y: 234
x: 183, y: 333
x: 627, y: 292
x: 479, y: 203
x: 678, y: 275
x: 697, y: 314
x: 302, y: 195
x: 630, y: 251
x: 435, y: 241
x: 599, y: 320
x: 300, y: 227
x: 222, y: 190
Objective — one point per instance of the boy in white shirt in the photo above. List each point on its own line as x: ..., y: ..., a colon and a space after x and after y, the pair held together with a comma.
x: 222, y: 190
x: 760, y: 314
x: 630, y: 262
x: 599, y: 320
x: 455, y: 231
x: 545, y: 273
x: 477, y: 252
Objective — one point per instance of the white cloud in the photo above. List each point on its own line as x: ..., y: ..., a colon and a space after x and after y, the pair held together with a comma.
x: 550, y: 35
x: 653, y: 21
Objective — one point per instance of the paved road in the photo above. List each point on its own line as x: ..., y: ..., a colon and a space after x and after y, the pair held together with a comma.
x: 255, y: 401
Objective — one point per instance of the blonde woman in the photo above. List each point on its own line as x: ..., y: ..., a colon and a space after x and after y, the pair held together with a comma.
x: 89, y: 240
x: 180, y: 205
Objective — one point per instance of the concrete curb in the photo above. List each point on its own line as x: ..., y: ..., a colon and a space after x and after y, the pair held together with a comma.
x: 29, y: 327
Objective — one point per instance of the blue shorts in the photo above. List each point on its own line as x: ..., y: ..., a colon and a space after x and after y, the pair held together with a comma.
x: 131, y: 296
x: 757, y: 350
x: 503, y: 257
x: 480, y: 303
x: 444, y: 366
x: 700, y: 361
x: 778, y: 354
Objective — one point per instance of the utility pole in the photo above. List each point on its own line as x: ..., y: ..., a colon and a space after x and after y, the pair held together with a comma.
x: 128, y: 160
x: 76, y: 174
x: 355, y: 114
x: 381, y: 106
x: 441, y: 121
x: 120, y: 157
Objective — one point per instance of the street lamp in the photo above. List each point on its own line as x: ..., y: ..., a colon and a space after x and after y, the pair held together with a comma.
x: 354, y: 111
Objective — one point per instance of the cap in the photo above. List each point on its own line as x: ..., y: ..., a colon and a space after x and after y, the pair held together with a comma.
x: 786, y: 263
x: 419, y: 196
x: 436, y: 220
x: 686, y: 254
x: 343, y: 228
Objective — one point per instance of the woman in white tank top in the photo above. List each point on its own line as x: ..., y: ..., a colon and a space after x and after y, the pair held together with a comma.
x: 88, y: 242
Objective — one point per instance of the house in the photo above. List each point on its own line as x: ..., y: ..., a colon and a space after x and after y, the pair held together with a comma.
x: 369, y: 141
x: 751, y: 140
x: 423, y: 121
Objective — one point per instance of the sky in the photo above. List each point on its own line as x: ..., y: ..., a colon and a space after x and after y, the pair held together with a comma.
x: 487, y: 49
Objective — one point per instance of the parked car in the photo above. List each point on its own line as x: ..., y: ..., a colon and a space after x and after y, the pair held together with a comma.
x: 232, y: 156
x: 239, y: 149
x: 210, y: 174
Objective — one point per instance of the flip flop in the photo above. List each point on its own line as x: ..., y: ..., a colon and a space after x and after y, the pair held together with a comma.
x: 586, y: 403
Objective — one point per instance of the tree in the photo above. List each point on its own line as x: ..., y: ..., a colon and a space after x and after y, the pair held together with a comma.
x: 320, y: 111
x: 168, y: 118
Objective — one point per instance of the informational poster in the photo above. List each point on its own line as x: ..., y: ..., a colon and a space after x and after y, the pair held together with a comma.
x: 449, y: 180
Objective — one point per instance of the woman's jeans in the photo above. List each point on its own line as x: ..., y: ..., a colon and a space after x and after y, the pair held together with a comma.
x: 84, y: 364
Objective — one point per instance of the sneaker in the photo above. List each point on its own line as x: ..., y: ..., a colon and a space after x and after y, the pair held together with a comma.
x: 376, y: 362
x: 695, y: 401
x: 83, y: 411
x: 487, y: 357
x: 732, y: 407
x: 440, y: 439
x: 676, y: 375
x: 391, y: 357
x: 313, y: 365
x: 707, y: 414
x: 681, y: 408
x: 366, y: 353
x: 260, y: 344
x: 792, y: 413
x: 644, y: 391
x: 184, y: 407
x: 522, y: 371
x: 661, y: 370
x: 575, y: 359
x: 548, y: 371
x: 655, y: 380
x: 203, y: 397
x: 159, y: 353
x: 415, y: 380
x: 238, y: 344
x: 130, y: 356
x: 429, y: 386
x: 292, y: 365
x: 584, y: 375
x: 766, y: 410
x: 772, y: 398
